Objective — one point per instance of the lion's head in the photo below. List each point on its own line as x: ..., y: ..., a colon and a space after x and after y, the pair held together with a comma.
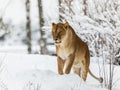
x: 59, y: 32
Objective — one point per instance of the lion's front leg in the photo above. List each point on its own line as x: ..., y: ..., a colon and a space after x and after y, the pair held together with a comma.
x: 84, y: 70
x: 60, y: 65
x: 69, y: 63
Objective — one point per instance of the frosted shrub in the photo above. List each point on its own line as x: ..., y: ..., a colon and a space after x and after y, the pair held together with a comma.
x: 104, y: 45
x: 32, y: 86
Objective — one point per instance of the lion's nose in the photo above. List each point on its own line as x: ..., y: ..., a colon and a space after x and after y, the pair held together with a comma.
x: 56, y: 39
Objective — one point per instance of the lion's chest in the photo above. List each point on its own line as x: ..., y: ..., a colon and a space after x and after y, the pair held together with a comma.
x: 63, y: 52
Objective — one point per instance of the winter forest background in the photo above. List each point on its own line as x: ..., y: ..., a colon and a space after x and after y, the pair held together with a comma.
x: 25, y: 26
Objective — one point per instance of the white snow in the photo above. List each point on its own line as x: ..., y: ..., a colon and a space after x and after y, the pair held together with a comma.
x: 27, y: 72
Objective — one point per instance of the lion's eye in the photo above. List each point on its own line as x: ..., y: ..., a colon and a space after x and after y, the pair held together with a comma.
x: 60, y: 32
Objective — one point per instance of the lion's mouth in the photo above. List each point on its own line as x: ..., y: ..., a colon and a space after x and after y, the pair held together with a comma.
x: 57, y: 42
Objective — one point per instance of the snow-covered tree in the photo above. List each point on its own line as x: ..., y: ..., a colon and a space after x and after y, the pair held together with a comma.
x: 43, y: 48
x: 28, y: 26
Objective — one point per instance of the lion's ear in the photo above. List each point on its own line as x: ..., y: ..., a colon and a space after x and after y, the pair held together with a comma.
x: 66, y: 25
x: 53, y: 24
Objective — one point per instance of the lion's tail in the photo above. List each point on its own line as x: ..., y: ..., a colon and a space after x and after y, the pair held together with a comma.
x: 100, y: 79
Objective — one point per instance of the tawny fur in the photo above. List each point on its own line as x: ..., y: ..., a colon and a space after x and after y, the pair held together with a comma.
x: 71, y: 51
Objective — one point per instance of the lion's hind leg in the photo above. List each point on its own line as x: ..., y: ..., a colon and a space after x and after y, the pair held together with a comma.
x: 84, y: 70
x: 84, y: 75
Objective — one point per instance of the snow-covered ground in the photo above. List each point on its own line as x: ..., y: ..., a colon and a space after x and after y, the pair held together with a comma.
x: 39, y: 72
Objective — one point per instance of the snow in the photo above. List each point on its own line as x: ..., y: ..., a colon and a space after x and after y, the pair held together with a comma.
x: 27, y: 72
x: 39, y: 72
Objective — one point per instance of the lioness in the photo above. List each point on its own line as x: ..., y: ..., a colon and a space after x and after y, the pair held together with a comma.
x: 71, y: 51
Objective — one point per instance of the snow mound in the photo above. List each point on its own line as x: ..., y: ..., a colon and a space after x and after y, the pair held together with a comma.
x: 39, y: 72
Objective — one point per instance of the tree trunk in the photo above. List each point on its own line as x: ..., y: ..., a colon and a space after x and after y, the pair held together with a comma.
x: 63, y: 10
x: 43, y: 48
x: 60, y: 11
x: 28, y: 28
x: 85, y: 7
